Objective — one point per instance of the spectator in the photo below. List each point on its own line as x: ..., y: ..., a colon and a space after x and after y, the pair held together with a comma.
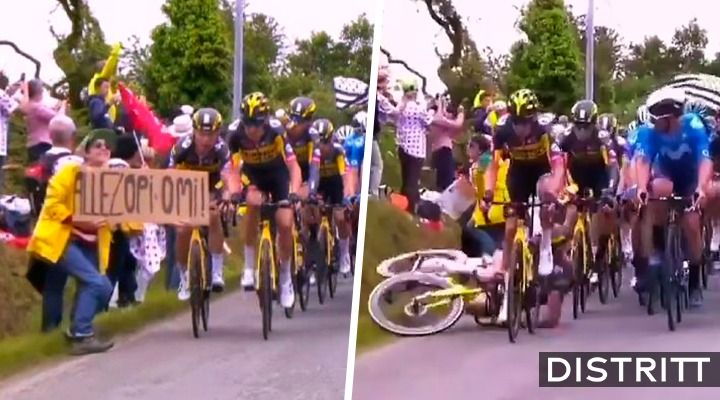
x: 481, y: 112
x: 80, y: 249
x: 99, y: 105
x: 376, y: 161
x: 107, y: 70
x: 412, y: 122
x: 37, y: 118
x: 8, y: 105
x: 121, y: 270
x: 446, y: 127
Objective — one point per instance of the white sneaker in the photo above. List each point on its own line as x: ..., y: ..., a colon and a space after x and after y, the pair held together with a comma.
x: 312, y: 279
x: 594, y: 278
x: 287, y: 294
x: 633, y: 282
x: 184, y: 288
x: 345, y: 264
x: 248, y: 279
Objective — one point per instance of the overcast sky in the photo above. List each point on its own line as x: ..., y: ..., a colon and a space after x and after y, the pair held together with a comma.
x: 26, y: 23
x: 410, y: 34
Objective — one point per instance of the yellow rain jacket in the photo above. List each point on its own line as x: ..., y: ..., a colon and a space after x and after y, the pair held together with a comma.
x: 54, y: 229
x: 108, y: 72
x: 496, y: 213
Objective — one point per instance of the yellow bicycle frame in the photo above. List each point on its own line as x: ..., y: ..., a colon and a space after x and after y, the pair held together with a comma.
x: 581, y: 227
x: 443, y: 297
x: 266, y: 237
x: 195, y: 237
x: 330, y: 245
x: 521, y: 236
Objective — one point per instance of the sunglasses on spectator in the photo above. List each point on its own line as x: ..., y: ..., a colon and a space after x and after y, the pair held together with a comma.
x: 100, y: 144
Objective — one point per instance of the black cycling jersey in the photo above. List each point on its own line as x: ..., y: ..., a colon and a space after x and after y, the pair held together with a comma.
x: 184, y: 156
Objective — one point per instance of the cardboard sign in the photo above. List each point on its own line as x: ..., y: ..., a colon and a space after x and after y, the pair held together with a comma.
x: 160, y: 196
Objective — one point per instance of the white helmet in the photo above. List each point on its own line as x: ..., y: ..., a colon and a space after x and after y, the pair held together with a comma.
x: 666, y: 101
x: 343, y: 133
x: 500, y: 105
x: 643, y: 116
x: 359, y: 121
x: 280, y: 114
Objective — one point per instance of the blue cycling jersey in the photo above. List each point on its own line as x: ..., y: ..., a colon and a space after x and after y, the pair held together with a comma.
x: 677, y: 156
x: 355, y: 149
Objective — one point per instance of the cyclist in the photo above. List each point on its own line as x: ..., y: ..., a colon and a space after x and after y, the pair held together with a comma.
x: 591, y: 158
x: 298, y: 133
x: 528, y: 145
x: 204, y: 150
x: 354, y: 146
x: 261, y: 155
x: 334, y: 183
x: 672, y: 157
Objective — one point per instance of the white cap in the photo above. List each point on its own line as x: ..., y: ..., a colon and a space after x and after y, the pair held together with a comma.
x: 182, y: 126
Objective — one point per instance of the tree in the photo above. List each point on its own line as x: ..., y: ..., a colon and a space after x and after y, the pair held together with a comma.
x: 317, y: 56
x: 78, y: 52
x: 263, y: 47
x: 190, y: 58
x: 134, y: 64
x: 356, y: 42
x: 608, y: 55
x: 650, y: 58
x: 688, y: 46
x: 549, y: 61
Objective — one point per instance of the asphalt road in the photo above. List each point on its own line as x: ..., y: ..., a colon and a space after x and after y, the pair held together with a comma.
x: 468, y: 361
x: 304, y: 358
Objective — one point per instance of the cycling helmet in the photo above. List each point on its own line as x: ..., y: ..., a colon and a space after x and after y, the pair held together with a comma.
x: 666, y: 102
x: 523, y: 104
x: 302, y: 109
x: 207, y: 120
x: 563, y: 119
x: 584, y: 112
x: 643, y: 116
x: 324, y: 128
x: 607, y: 122
x: 359, y: 121
x: 343, y: 133
x: 255, y: 107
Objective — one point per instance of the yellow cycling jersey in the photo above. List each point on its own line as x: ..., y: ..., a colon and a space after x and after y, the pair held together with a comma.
x: 497, y: 212
x: 334, y: 164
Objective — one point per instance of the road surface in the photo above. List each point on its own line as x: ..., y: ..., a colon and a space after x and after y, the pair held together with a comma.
x: 304, y: 358
x: 468, y: 361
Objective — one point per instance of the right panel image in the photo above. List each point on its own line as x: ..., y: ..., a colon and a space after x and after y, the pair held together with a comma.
x: 542, y: 210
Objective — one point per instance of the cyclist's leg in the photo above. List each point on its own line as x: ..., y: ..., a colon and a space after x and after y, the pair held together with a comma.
x: 215, y: 244
x: 332, y: 189
x: 692, y: 233
x: 652, y: 225
x: 284, y: 222
x: 712, y: 213
x: 182, y: 246
x: 519, y: 191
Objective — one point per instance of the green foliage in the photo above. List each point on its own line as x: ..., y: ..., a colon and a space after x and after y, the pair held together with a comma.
x: 549, y: 62
x: 263, y: 45
x: 190, y: 58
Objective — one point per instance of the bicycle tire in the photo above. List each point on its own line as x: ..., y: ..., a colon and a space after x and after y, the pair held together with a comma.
x: 380, y: 294
x: 321, y: 267
x: 290, y: 311
x: 265, y: 291
x: 206, y: 289
x: 669, y: 283
x: 333, y: 271
x: 604, y: 273
x: 303, y: 285
x: 515, y: 304
x: 196, y: 294
x: 616, y: 275
x: 577, y: 260
x: 707, y: 254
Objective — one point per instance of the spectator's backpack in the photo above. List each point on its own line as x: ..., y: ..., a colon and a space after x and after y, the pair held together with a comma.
x: 15, y: 215
x: 37, y: 177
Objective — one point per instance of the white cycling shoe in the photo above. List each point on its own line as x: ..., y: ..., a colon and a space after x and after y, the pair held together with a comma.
x: 184, y: 288
x: 248, y: 279
x: 287, y: 293
x: 218, y: 283
x: 345, y: 264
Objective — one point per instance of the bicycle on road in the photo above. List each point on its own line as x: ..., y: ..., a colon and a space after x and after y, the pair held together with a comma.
x: 321, y: 249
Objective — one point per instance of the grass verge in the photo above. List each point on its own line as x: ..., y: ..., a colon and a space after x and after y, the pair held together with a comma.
x: 390, y: 232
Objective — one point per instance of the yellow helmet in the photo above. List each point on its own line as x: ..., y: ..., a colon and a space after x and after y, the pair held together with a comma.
x: 324, y: 128
x: 207, y: 120
x: 255, y: 107
x: 523, y: 103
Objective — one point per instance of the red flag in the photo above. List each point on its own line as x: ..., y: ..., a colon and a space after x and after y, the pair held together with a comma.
x: 145, y: 121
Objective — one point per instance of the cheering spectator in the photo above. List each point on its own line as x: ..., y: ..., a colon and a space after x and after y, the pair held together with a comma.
x: 99, y: 105
x: 481, y: 112
x: 37, y: 119
x: 446, y: 127
x: 382, y: 107
x: 80, y: 249
x: 107, y: 70
x: 7, y: 106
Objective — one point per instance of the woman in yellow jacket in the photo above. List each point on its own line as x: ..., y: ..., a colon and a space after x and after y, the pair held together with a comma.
x: 483, y: 234
x: 80, y: 249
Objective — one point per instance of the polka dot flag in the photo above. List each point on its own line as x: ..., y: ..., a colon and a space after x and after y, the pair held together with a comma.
x: 350, y: 92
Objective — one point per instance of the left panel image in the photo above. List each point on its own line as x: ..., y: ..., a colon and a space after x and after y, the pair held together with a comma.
x: 179, y: 196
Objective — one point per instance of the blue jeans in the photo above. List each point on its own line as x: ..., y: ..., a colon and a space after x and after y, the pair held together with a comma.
x: 172, y: 278
x: 93, y: 289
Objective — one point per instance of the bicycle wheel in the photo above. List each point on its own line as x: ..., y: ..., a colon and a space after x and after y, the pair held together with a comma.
x: 333, y: 270
x: 289, y: 311
x: 265, y: 291
x: 578, y: 254
x: 603, y: 273
x: 707, y: 254
x: 515, y: 291
x: 196, y: 292
x: 321, y: 265
x: 616, y: 266
x: 673, y: 263
x: 393, y: 307
x: 206, y: 288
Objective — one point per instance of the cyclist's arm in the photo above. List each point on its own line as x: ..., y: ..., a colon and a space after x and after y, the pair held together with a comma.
x: 291, y: 162
x: 644, y: 154
x: 492, y: 171
x: 705, y: 167
x: 349, y: 174
x: 557, y: 163
x: 314, y: 175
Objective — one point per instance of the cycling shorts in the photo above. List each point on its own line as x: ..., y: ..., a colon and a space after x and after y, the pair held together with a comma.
x: 593, y: 177
x: 522, y: 180
x: 331, y: 189
x: 274, y: 182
